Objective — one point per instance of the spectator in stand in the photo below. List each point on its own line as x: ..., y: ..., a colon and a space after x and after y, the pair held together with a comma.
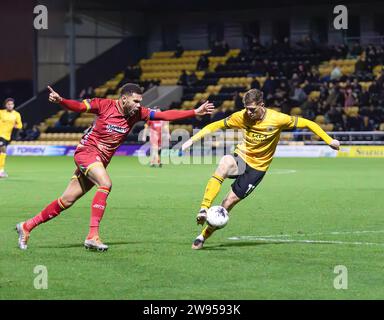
x: 63, y: 120
x: 334, y: 115
x: 132, y: 72
x: 350, y: 98
x: 301, y: 72
x: 335, y: 96
x: 192, y: 79
x: 356, y: 86
x: 367, y: 124
x: 282, y: 91
x: 256, y: 47
x: 309, y: 108
x: 356, y: 49
x: 238, y: 101
x: 380, y: 76
x: 203, y: 63
x: 184, y: 79
x: 67, y: 119
x: 268, y: 87
x: 370, y: 54
x: 376, y: 114
x: 255, y: 84
x: 224, y: 47
x: 307, y: 87
x: 354, y: 123
x: 219, y: 48
x: 374, y: 88
x: 179, y: 50
x: 361, y: 66
x: 32, y: 134
x: 87, y: 93
x: 298, y: 95
x: 336, y: 73
x: 218, y: 115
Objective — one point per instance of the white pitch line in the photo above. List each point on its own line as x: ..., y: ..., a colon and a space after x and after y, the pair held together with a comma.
x: 317, y: 234
x: 282, y: 171
x: 306, y: 241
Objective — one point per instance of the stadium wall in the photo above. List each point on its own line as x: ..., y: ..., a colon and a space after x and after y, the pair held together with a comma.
x: 283, y: 151
x: 192, y: 28
x: 94, y: 73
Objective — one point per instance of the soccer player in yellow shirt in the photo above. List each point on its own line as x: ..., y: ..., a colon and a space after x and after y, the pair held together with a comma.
x: 9, y: 119
x: 261, y: 128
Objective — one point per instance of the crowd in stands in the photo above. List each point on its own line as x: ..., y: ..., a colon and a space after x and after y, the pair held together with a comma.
x: 292, y: 74
x: 292, y: 81
x: 27, y: 133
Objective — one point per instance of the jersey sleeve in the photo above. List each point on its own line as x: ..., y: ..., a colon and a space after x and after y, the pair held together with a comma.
x: 146, y: 113
x: 234, y: 121
x: 208, y: 129
x: 287, y: 122
x: 93, y: 105
x: 315, y: 128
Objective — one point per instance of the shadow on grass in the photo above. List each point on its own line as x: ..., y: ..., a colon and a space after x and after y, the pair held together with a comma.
x: 81, y: 245
x: 239, y: 244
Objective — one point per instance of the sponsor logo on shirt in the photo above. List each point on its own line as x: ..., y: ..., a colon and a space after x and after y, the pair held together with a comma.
x: 111, y: 127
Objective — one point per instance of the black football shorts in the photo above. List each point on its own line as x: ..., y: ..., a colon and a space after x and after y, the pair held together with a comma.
x: 247, y: 178
x: 3, y: 142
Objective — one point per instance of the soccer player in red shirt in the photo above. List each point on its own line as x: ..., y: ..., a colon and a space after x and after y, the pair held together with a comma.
x: 158, y: 132
x: 115, y: 119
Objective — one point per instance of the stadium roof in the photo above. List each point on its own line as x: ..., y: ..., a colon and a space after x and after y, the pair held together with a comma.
x: 200, y: 5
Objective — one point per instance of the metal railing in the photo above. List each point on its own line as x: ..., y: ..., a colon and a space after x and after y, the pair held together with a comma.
x: 350, y: 137
x: 307, y: 137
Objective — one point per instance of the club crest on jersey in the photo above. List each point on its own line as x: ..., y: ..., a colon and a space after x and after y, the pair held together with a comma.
x: 112, y: 127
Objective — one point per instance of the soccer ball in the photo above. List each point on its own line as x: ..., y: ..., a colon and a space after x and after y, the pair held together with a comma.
x: 217, y: 217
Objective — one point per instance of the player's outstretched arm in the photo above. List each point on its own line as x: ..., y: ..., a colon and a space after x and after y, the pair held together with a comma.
x: 72, y: 105
x: 316, y: 129
x: 170, y: 115
x: 212, y: 127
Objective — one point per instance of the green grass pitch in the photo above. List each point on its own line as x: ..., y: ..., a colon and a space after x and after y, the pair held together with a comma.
x: 150, y: 224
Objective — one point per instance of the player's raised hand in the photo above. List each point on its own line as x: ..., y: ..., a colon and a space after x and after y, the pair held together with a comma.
x: 206, y: 108
x: 187, y: 144
x: 54, y: 96
x: 335, y: 144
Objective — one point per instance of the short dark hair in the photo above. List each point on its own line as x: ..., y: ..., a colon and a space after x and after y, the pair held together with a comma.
x: 8, y: 99
x: 130, y: 88
x: 253, y: 96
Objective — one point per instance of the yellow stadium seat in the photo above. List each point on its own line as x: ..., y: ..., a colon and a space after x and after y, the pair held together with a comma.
x: 314, y: 95
x: 327, y: 127
x: 320, y: 119
x: 296, y: 111
x: 352, y: 111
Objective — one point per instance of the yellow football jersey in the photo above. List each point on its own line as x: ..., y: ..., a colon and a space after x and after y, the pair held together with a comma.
x: 8, y: 121
x: 261, y: 137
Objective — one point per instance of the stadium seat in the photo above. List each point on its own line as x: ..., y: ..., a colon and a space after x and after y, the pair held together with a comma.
x: 320, y: 119
x: 296, y: 111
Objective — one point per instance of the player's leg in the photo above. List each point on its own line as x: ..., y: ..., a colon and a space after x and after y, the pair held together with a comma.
x: 227, y: 167
x: 159, y: 151
x: 97, y: 174
x: 240, y: 189
x: 3, y: 155
x: 75, y: 190
x: 159, y: 157
x: 154, y: 154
